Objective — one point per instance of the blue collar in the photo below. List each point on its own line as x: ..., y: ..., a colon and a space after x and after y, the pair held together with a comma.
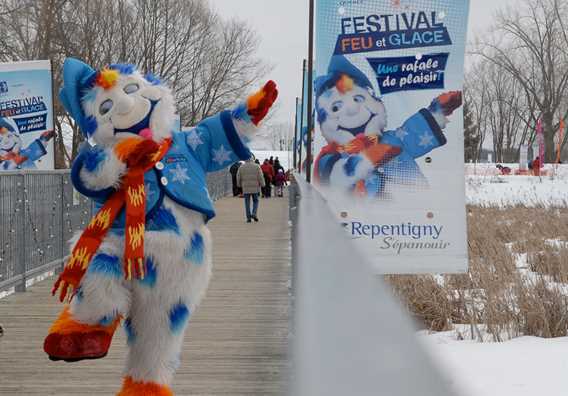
x: 145, y: 123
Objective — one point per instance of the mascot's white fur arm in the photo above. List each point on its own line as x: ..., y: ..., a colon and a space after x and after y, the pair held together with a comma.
x: 130, y: 118
x: 103, y: 169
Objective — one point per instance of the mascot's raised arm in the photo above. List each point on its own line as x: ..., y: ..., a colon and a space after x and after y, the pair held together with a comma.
x: 361, y: 156
x: 145, y: 257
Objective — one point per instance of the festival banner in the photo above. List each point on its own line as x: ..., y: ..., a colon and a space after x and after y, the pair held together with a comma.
x: 523, y: 157
x: 26, y: 116
x: 298, y: 139
x: 177, y: 122
x: 304, y: 114
x: 540, y: 139
x: 389, y: 143
x: 560, y: 140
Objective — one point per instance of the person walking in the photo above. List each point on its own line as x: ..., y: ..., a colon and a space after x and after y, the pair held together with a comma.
x: 535, y: 166
x: 280, y: 182
x: 251, y: 180
x: 234, y: 169
x: 277, y: 166
x: 268, y: 172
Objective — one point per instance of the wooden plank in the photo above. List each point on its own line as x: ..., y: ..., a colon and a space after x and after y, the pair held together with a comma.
x: 236, y: 344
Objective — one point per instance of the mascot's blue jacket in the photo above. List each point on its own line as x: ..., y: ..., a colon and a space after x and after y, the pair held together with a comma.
x: 181, y: 174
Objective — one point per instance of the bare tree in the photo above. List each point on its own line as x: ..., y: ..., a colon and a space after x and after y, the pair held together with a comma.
x: 530, y: 44
x: 209, y: 62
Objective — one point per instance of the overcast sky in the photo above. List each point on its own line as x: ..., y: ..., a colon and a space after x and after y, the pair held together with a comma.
x: 283, y: 28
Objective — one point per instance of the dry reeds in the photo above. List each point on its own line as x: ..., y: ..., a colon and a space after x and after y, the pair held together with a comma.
x: 517, y: 283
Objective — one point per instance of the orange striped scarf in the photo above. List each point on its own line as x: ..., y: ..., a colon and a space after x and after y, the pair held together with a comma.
x: 131, y: 195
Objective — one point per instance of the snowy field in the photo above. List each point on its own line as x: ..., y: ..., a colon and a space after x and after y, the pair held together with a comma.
x: 485, y: 187
x: 526, y: 366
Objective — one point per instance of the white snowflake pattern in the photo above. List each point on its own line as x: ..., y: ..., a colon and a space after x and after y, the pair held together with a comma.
x: 221, y: 156
x: 401, y: 133
x: 194, y: 140
x: 179, y: 174
x: 426, y: 140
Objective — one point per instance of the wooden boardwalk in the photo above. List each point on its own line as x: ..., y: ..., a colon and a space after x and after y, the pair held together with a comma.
x: 236, y: 344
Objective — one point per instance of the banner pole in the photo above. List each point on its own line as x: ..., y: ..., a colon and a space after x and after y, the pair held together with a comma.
x: 53, y: 115
x: 310, y: 95
x: 295, y: 145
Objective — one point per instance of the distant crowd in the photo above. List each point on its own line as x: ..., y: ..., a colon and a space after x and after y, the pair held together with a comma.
x: 250, y: 179
x: 274, y: 174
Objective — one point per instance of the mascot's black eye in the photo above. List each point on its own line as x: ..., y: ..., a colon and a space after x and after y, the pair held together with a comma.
x: 105, y: 106
x: 131, y: 88
x: 336, y: 107
x: 359, y: 98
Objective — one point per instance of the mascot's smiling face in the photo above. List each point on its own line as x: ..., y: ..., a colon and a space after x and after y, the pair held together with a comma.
x: 122, y: 103
x: 346, y: 110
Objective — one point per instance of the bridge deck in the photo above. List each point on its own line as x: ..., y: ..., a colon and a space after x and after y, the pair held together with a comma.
x: 236, y: 343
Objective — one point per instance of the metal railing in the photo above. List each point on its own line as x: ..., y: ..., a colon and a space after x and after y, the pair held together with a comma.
x: 39, y: 212
x: 350, y: 336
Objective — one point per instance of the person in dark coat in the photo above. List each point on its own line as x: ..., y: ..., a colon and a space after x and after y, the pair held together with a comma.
x: 277, y: 166
x: 280, y: 182
x: 268, y: 172
x: 234, y: 169
x: 535, y: 166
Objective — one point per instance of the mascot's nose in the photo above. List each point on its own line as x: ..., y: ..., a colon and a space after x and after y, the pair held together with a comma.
x: 353, y: 109
x: 124, y: 105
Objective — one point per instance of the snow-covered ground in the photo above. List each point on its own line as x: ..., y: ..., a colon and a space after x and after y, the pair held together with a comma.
x: 485, y: 187
x: 491, y: 169
x: 526, y: 366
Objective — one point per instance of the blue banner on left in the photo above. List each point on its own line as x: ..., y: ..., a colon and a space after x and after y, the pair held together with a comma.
x: 26, y: 116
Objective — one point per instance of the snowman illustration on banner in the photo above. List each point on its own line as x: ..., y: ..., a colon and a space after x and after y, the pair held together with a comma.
x: 12, y: 155
x: 361, y: 156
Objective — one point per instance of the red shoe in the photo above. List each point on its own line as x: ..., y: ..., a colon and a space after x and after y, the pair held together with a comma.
x: 132, y: 388
x: 72, y: 341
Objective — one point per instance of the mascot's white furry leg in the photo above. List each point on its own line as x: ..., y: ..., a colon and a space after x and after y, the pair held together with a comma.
x: 163, y: 302
x: 85, y: 327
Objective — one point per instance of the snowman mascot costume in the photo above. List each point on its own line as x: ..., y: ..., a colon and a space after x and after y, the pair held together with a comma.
x: 145, y: 257
x: 361, y: 157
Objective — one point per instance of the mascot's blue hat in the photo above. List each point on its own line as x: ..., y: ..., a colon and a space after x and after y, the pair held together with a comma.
x: 338, y: 66
x: 77, y: 77
x: 6, y: 124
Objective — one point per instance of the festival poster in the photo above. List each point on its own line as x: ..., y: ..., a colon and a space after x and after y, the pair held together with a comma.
x: 26, y: 116
x: 177, y: 122
x: 298, y: 139
x: 304, y: 117
x: 389, y: 143
x: 523, y: 157
x: 540, y: 139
